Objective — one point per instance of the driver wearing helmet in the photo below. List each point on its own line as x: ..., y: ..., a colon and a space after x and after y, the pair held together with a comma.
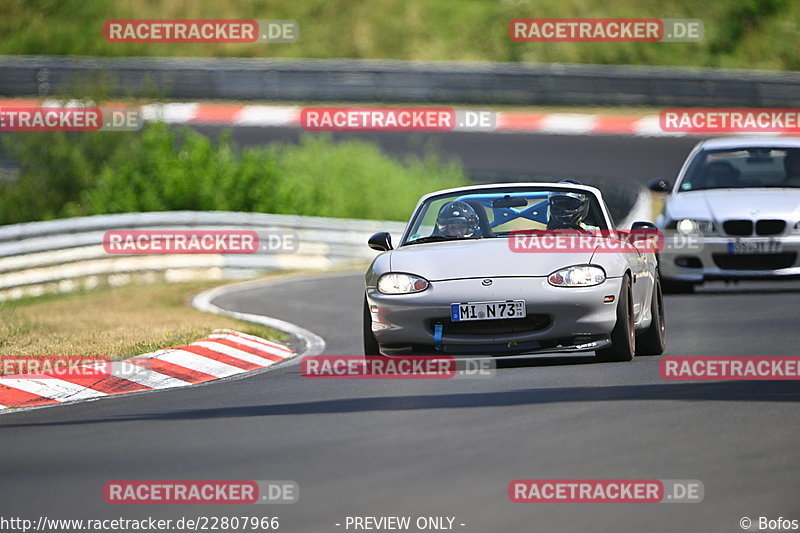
x: 792, y: 165
x: 458, y: 219
x: 568, y: 210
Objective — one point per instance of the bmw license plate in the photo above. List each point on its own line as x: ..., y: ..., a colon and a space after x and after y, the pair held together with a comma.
x: 487, y: 310
x: 763, y: 246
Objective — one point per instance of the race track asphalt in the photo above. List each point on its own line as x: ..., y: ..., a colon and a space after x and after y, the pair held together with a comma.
x: 444, y: 447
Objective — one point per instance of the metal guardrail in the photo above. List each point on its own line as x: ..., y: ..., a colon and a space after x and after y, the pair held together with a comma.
x: 68, y: 254
x: 401, y: 81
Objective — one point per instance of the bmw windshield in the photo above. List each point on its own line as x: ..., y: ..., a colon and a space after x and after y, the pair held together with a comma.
x: 742, y: 168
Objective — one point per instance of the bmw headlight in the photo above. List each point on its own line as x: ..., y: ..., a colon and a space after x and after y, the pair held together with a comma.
x: 687, y: 226
x: 577, y: 276
x: 394, y: 283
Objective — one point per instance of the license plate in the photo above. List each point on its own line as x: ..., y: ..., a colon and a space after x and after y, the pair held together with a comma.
x: 768, y: 246
x: 487, y: 310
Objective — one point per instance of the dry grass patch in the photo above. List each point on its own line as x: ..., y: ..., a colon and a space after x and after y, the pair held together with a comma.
x: 115, y: 322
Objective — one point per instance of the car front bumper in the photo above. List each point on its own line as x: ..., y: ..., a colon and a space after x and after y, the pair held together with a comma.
x: 558, y: 318
x: 709, y: 258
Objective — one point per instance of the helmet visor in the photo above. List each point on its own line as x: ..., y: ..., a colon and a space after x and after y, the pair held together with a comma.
x: 567, y: 205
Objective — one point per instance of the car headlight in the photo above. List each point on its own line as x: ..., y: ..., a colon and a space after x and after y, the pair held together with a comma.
x: 577, y: 276
x: 687, y: 226
x: 394, y: 283
x: 797, y: 228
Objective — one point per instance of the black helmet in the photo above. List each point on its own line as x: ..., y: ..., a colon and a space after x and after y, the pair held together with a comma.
x: 791, y: 161
x: 567, y: 208
x: 457, y: 218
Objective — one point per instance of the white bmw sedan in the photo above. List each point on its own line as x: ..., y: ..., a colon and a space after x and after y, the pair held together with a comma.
x: 733, y: 213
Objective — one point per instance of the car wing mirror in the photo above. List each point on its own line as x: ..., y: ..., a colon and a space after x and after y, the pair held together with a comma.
x: 659, y: 185
x: 380, y: 241
x: 642, y: 225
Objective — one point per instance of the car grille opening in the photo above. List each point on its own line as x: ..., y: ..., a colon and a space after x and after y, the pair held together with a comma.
x: 755, y: 261
x: 688, y: 261
x: 738, y: 227
x: 503, y: 326
x: 770, y: 227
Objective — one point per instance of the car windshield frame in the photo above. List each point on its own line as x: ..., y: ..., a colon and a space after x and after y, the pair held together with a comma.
x: 701, y: 160
x: 597, y: 210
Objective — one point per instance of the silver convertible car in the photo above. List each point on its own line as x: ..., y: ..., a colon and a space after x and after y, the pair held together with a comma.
x: 733, y: 213
x: 474, y: 273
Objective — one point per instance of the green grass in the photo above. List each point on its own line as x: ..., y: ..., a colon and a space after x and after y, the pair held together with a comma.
x: 738, y: 33
x: 162, y: 169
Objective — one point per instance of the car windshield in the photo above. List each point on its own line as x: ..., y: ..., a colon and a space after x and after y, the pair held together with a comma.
x: 743, y: 168
x: 492, y: 213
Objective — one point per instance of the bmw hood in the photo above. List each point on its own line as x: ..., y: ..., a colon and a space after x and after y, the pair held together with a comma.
x: 724, y: 204
x: 481, y: 258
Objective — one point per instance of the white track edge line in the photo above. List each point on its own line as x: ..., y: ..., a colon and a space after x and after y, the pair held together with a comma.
x: 314, y: 344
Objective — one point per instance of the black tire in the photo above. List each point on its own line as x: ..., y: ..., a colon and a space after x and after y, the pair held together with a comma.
x: 370, y: 343
x: 673, y: 286
x: 623, y: 336
x: 654, y: 340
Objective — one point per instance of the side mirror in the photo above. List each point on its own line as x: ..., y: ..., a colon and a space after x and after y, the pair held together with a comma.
x: 641, y: 225
x: 380, y: 241
x: 659, y: 185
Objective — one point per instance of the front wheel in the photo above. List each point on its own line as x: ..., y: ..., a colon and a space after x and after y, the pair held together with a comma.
x: 370, y: 343
x: 623, y: 336
x: 654, y: 340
